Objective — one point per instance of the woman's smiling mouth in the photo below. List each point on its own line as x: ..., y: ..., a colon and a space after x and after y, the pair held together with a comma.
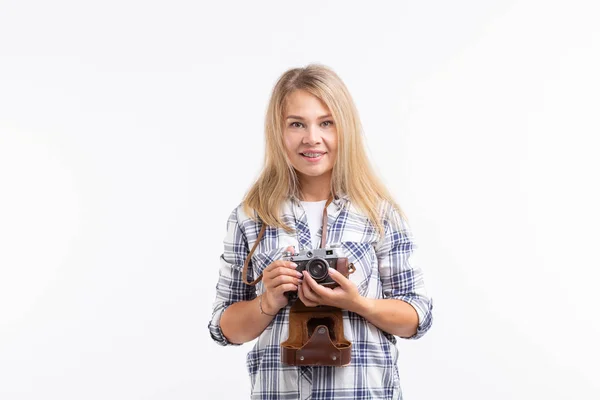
x: 313, y: 156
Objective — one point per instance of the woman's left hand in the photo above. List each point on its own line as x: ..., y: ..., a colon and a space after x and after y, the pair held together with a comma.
x: 344, y: 296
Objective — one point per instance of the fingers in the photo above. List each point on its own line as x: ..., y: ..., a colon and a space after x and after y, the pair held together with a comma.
x: 282, y: 270
x: 303, y: 298
x: 282, y: 279
x: 313, y: 285
x: 281, y: 263
x: 307, y: 289
x: 281, y: 267
x: 339, y: 278
x: 280, y: 285
x: 281, y: 276
x: 286, y: 287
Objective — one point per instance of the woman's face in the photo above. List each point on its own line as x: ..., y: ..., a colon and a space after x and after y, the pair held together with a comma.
x: 309, y: 134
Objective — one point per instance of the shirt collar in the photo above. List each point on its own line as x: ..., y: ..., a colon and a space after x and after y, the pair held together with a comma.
x: 339, y: 200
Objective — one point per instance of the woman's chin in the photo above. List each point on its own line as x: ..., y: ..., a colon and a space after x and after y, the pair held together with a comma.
x: 313, y: 172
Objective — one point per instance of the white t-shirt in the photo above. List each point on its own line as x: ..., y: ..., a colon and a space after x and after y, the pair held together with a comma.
x: 314, y: 216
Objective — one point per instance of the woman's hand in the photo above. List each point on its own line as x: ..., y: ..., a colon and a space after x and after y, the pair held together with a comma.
x: 345, y: 296
x: 279, y: 277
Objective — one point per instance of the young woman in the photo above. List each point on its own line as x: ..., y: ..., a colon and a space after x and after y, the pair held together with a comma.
x: 315, y: 159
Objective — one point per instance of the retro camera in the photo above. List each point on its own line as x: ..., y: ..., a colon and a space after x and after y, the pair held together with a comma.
x: 317, y: 263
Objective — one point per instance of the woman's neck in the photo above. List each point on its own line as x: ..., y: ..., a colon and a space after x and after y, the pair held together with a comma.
x: 315, y: 188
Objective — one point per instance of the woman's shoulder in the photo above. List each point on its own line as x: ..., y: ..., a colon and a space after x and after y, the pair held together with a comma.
x: 392, y: 215
x: 244, y: 214
x: 241, y: 216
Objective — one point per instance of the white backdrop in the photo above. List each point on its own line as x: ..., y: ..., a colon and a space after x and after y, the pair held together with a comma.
x: 129, y: 130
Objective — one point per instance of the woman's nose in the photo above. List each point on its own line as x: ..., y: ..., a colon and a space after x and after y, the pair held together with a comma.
x: 312, y: 136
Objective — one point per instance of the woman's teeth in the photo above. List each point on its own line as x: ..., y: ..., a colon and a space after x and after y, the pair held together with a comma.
x: 312, y: 155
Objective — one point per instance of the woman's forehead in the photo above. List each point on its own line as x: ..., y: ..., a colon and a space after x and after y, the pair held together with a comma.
x: 304, y: 104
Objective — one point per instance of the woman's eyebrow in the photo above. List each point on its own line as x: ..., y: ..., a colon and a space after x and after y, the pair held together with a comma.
x: 298, y: 117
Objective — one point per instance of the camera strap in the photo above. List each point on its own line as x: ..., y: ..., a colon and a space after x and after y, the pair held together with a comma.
x: 261, y: 234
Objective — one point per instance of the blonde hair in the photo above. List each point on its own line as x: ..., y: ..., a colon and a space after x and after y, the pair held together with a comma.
x: 352, y: 173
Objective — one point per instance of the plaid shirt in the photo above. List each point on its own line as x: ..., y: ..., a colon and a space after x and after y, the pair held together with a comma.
x: 383, y: 270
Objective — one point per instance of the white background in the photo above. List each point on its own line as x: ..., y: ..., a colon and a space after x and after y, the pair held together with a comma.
x: 129, y: 130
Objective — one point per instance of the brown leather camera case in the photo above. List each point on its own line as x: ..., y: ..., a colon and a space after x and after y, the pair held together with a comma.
x: 316, y: 337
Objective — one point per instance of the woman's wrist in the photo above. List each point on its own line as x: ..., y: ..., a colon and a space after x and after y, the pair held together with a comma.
x: 265, y: 307
x: 364, y: 306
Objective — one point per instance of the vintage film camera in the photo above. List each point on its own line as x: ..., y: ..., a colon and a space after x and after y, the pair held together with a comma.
x: 316, y: 334
x: 317, y: 263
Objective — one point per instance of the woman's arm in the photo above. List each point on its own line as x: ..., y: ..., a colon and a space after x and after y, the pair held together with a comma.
x: 242, y: 322
x: 403, y: 286
x: 237, y: 316
x: 405, y: 310
x: 391, y: 315
x: 231, y: 291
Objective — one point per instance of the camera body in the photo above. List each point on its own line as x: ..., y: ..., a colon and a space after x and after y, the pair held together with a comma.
x: 317, y: 263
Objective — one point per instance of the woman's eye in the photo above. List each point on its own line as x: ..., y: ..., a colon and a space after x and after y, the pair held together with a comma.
x: 295, y: 126
x: 329, y: 123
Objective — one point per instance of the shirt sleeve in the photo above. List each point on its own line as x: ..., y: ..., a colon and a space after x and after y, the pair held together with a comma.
x: 401, y: 277
x: 230, y: 285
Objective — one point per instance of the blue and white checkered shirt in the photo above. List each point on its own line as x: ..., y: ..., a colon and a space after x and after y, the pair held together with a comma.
x: 383, y: 270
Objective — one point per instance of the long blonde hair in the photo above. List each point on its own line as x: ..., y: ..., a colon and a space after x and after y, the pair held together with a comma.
x: 352, y: 173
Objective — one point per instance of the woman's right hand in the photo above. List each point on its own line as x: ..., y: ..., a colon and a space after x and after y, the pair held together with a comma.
x: 279, y: 277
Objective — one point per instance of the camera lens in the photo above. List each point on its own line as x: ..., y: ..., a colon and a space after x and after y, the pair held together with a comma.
x: 317, y: 269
